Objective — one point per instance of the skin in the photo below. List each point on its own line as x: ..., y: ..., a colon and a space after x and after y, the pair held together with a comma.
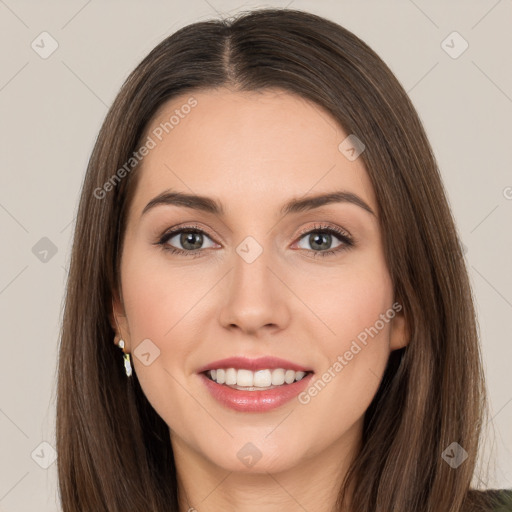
x: 253, y: 151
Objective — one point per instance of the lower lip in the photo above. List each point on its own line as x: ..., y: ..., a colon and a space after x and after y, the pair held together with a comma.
x: 255, y: 401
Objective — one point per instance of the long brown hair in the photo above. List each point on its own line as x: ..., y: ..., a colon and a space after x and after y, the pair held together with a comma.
x: 114, y: 451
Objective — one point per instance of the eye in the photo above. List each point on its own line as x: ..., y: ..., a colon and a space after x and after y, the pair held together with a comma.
x: 191, y: 239
x: 320, y: 238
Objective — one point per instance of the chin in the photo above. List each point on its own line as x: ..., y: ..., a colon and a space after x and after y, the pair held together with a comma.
x: 255, y: 457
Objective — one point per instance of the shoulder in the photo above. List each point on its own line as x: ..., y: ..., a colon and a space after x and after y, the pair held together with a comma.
x: 488, y: 500
x: 503, y: 500
x: 496, y: 500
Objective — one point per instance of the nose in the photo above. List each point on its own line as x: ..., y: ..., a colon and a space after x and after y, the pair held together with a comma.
x: 255, y: 297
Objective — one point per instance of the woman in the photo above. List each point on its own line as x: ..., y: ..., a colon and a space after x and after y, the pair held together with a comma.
x: 319, y: 349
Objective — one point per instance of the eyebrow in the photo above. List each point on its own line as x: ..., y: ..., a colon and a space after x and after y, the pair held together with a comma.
x: 209, y: 205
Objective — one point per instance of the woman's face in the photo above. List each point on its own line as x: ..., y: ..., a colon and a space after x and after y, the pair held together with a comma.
x: 262, y: 281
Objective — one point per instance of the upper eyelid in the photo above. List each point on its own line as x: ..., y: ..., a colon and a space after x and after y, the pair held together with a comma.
x: 326, y: 227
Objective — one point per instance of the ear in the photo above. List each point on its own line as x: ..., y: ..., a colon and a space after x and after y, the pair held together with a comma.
x: 399, y: 334
x: 119, y: 322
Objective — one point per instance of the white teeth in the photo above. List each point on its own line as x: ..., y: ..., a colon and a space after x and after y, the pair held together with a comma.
x: 244, y: 378
x: 230, y: 376
x: 262, y: 379
x: 278, y: 377
x: 259, y: 379
x: 289, y: 376
x: 221, y: 376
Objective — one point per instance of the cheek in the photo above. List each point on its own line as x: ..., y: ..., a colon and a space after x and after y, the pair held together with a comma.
x: 357, y: 308
x: 148, y: 304
x: 162, y: 304
x: 348, y: 299
x: 158, y: 297
x: 159, y: 305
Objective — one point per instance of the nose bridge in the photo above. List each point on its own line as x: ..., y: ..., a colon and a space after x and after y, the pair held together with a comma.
x: 255, y: 296
x: 251, y: 263
x: 251, y: 274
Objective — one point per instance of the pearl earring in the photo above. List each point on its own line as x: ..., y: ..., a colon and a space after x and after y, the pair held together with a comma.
x: 126, y: 357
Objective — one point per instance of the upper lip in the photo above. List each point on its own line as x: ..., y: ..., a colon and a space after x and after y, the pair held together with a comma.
x: 260, y: 363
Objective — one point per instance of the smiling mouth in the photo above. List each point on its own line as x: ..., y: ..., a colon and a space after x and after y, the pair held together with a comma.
x: 261, y: 380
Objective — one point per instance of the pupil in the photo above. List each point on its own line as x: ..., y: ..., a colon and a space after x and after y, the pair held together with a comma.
x: 324, y: 236
x: 187, y: 238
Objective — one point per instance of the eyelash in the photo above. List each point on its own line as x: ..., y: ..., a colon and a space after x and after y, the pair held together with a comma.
x: 347, y: 240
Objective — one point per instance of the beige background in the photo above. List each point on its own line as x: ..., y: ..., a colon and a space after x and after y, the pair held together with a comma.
x: 51, y: 110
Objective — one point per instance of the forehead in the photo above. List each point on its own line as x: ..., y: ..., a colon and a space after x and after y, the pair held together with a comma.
x: 248, y: 149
